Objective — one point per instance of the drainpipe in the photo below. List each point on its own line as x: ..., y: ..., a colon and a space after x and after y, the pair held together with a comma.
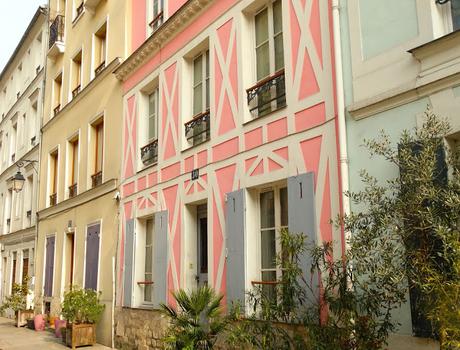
x: 343, y: 153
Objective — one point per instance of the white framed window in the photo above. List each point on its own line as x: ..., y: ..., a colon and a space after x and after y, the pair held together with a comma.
x: 273, y: 209
x: 154, y: 15
x: 269, y: 93
x: 201, y: 83
x: 76, y: 74
x: 455, y: 10
x: 152, y: 133
x: 148, y: 263
x: 100, y: 49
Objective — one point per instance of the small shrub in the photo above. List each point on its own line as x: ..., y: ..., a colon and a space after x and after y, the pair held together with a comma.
x: 82, y: 306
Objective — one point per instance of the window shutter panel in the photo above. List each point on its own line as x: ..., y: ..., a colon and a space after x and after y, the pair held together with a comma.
x: 302, y: 219
x: 128, y: 263
x: 49, y: 266
x: 92, y: 256
x: 160, y: 258
x: 235, y: 243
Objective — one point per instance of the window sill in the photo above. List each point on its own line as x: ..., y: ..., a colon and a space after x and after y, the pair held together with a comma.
x: 196, y: 146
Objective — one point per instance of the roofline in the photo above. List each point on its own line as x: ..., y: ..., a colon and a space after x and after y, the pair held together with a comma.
x: 40, y: 10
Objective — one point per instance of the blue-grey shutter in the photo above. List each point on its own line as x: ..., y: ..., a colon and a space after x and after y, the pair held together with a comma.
x: 128, y: 264
x: 160, y: 258
x: 302, y: 219
x: 92, y: 256
x: 49, y: 266
x: 235, y: 243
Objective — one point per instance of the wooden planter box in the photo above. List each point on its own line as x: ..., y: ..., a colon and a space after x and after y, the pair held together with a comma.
x: 80, y: 335
x: 22, y: 316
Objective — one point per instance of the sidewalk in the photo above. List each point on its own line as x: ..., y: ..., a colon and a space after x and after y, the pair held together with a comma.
x: 12, y: 338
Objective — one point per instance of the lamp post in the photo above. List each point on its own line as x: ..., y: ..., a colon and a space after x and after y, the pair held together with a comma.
x: 19, y: 179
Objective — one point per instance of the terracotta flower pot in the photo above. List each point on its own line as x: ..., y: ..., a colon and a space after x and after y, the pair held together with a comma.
x: 39, y: 322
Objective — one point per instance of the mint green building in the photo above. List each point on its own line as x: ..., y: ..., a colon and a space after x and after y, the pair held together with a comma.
x: 399, y: 56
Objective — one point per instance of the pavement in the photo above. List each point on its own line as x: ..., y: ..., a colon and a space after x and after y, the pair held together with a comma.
x: 13, y: 338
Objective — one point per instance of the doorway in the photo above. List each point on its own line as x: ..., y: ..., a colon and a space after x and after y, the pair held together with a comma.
x: 202, y: 245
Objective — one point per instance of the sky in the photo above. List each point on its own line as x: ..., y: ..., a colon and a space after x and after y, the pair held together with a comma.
x: 14, y: 19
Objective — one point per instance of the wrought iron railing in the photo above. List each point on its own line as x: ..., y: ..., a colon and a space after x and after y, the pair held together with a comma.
x: 149, y: 153
x: 198, y: 129
x: 57, y: 30
x: 32, y: 140
x: 8, y: 222
x: 13, y: 157
x: 37, y: 70
x: 99, y: 68
x: 267, y: 95
x: 29, y: 213
x: 76, y: 91
x: 96, y: 179
x: 53, y: 199
x: 156, y: 22
x: 57, y: 109
x: 73, y: 190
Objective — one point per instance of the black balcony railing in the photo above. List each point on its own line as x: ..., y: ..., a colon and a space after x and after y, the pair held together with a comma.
x: 99, y: 68
x: 268, y: 95
x: 8, y: 222
x: 57, y: 109
x: 96, y: 179
x: 198, y: 129
x: 29, y: 213
x: 37, y: 70
x: 32, y: 140
x: 73, y: 190
x: 156, y: 22
x: 76, y: 91
x: 53, y: 199
x: 13, y: 157
x: 57, y: 30
x: 149, y: 153
x: 18, y: 94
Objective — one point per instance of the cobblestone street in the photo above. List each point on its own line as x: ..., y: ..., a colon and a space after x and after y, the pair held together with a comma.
x: 12, y: 338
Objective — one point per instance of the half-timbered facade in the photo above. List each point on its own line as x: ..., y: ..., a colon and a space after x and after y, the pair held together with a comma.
x: 229, y: 135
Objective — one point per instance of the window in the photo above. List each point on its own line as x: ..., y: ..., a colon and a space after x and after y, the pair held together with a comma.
x: 49, y: 266
x: 269, y: 93
x: 24, y: 130
x: 76, y: 74
x: 53, y: 178
x: 33, y: 123
x: 73, y: 171
x: 148, y: 263
x: 14, y: 133
x: 273, y: 218
x: 100, y: 49
x: 154, y: 15
x: 78, y: 6
x: 13, y: 272
x: 198, y: 129
x: 455, y: 9
x: 98, y: 155
x: 57, y: 88
x: 149, y: 152
x: 70, y: 248
x: 25, y: 264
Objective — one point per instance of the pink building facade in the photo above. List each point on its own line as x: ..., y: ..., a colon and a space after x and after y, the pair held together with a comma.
x: 229, y: 135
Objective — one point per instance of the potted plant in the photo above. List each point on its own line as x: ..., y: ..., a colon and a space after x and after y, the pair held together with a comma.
x: 17, y: 302
x: 82, y: 310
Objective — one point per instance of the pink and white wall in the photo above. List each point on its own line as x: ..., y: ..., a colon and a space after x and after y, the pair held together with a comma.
x: 242, y: 152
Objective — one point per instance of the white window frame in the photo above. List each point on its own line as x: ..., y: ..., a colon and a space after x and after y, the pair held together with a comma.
x: 154, y: 114
x: 277, y: 208
x: 151, y: 14
x: 139, y: 262
x: 205, y: 81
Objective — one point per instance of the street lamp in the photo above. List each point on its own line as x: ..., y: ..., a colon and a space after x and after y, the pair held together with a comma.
x: 18, y: 179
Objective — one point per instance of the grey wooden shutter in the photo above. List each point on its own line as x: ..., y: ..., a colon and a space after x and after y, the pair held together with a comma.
x: 302, y: 219
x: 49, y: 266
x: 92, y: 256
x: 235, y: 243
x: 128, y: 263
x: 160, y: 258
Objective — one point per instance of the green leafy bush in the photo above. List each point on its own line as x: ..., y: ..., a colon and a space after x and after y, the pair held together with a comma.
x: 197, y: 321
x: 82, y: 306
x: 17, y: 301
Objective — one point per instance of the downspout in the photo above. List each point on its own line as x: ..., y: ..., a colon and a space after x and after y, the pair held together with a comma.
x: 343, y: 153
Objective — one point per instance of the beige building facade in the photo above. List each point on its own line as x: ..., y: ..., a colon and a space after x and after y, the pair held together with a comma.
x: 21, y: 104
x: 80, y: 161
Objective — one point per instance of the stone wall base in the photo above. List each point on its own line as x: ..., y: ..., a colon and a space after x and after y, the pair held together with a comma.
x: 139, y: 329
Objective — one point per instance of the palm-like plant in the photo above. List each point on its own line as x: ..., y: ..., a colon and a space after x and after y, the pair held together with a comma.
x: 197, y: 320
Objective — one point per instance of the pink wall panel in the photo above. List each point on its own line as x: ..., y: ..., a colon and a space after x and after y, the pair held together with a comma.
x: 309, y: 84
x: 253, y: 138
x: 225, y: 149
x: 152, y: 178
x: 277, y: 129
x: 174, y: 5
x: 315, y: 29
x: 325, y: 221
x: 189, y: 164
x: 310, y: 117
x: 128, y: 189
x: 311, y: 152
x: 139, y: 25
x: 130, y: 138
x: 141, y: 183
x: 202, y: 158
x: 171, y: 171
